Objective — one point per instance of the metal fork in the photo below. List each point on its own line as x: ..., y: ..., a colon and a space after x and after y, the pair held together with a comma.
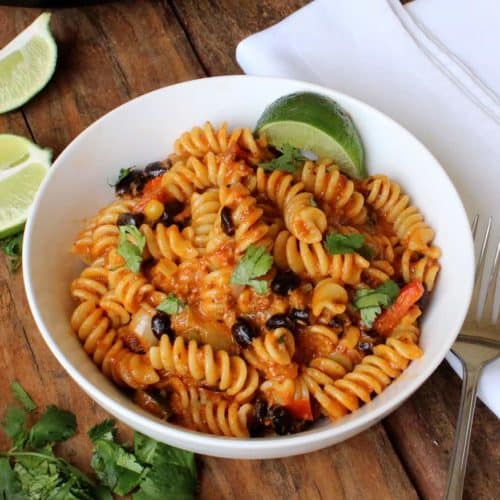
x: 477, y: 344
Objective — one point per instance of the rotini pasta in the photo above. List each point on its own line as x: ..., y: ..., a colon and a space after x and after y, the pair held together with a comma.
x: 261, y: 297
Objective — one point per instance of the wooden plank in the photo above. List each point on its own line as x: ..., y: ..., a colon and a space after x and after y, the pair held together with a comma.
x: 107, y: 55
x: 361, y: 468
x: 216, y: 28
x: 423, y: 431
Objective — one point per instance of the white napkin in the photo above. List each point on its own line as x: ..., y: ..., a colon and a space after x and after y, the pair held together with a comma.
x: 432, y: 65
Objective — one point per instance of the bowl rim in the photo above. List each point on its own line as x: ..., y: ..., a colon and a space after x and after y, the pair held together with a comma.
x: 272, y: 446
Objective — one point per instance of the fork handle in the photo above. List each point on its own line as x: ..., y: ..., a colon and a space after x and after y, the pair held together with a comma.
x: 458, y: 463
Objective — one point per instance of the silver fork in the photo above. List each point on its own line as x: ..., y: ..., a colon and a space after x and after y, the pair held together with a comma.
x: 477, y: 344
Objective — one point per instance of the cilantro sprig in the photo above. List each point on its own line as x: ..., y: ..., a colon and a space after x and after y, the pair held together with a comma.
x: 131, y: 243
x: 12, y: 246
x: 171, y: 305
x: 370, y: 301
x: 290, y: 160
x: 30, y: 470
x: 337, y: 243
x: 255, y: 263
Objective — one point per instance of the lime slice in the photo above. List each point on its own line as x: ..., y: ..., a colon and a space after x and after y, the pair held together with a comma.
x: 316, y: 123
x: 23, y: 166
x: 26, y: 64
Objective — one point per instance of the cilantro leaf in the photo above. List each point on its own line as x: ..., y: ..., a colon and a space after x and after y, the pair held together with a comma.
x: 289, y: 160
x: 131, y: 243
x: 256, y: 262
x: 115, y: 467
x: 172, y: 475
x: 12, y: 246
x: 391, y: 289
x: 22, y: 396
x: 10, y: 486
x: 53, y: 426
x: 14, y: 425
x: 370, y: 301
x: 124, y: 172
x: 171, y: 305
x: 105, y: 430
x: 369, y: 315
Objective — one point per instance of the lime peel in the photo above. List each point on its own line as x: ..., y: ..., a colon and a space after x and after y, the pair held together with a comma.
x: 316, y: 123
x: 26, y: 64
x: 23, y: 166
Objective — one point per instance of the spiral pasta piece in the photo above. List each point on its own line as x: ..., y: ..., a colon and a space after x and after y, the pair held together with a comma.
x: 373, y: 374
x: 216, y: 369
x: 206, y: 411
x: 200, y: 141
x: 204, y: 212
x: 101, y: 342
x: 101, y: 233
x: 304, y: 220
x: 272, y: 351
x: 335, y: 189
x: 378, y: 272
x: 387, y: 197
x: 92, y: 283
x: 312, y: 261
x: 195, y: 174
x: 167, y: 242
x: 216, y: 294
x: 246, y: 217
x: 415, y: 266
x: 329, y: 295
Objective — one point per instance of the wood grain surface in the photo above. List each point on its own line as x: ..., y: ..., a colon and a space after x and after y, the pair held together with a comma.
x: 109, y: 54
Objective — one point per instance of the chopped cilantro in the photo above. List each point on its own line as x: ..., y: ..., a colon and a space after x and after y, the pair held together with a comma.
x: 255, y: 263
x: 22, y: 396
x: 131, y: 243
x: 105, y: 430
x: 124, y: 172
x: 53, y: 426
x: 337, y: 243
x: 171, y: 305
x: 289, y: 161
x: 31, y: 470
x: 370, y: 301
x: 12, y: 246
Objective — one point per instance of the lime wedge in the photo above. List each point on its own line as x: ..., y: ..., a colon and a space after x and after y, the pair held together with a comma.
x: 26, y: 64
x: 316, y: 123
x: 23, y: 166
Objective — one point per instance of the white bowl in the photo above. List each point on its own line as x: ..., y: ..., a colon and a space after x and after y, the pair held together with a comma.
x: 143, y: 130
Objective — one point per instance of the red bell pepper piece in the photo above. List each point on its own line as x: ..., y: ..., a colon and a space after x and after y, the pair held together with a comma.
x: 300, y: 408
x: 390, y: 318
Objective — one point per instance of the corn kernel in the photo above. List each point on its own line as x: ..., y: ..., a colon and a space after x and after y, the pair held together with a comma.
x: 153, y: 210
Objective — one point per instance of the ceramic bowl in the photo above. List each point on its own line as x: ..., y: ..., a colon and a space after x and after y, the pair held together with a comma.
x: 143, y: 130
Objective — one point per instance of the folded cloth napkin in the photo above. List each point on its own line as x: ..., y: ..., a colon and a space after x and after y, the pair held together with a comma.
x: 431, y: 65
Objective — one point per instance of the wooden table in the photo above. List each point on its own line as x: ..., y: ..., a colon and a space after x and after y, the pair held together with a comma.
x: 109, y: 54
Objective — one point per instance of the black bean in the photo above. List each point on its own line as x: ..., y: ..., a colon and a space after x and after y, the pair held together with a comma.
x: 365, y: 347
x: 281, y: 420
x: 132, y: 184
x: 423, y: 303
x: 243, y: 332
x: 130, y: 219
x: 285, y: 281
x: 172, y: 209
x: 299, y: 315
x: 280, y: 321
x: 260, y: 410
x: 160, y: 324
x: 336, y: 322
x: 156, y: 168
x: 226, y: 221
x: 375, y: 338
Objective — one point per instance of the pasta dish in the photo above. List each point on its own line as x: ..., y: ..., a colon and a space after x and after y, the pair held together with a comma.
x: 237, y: 289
